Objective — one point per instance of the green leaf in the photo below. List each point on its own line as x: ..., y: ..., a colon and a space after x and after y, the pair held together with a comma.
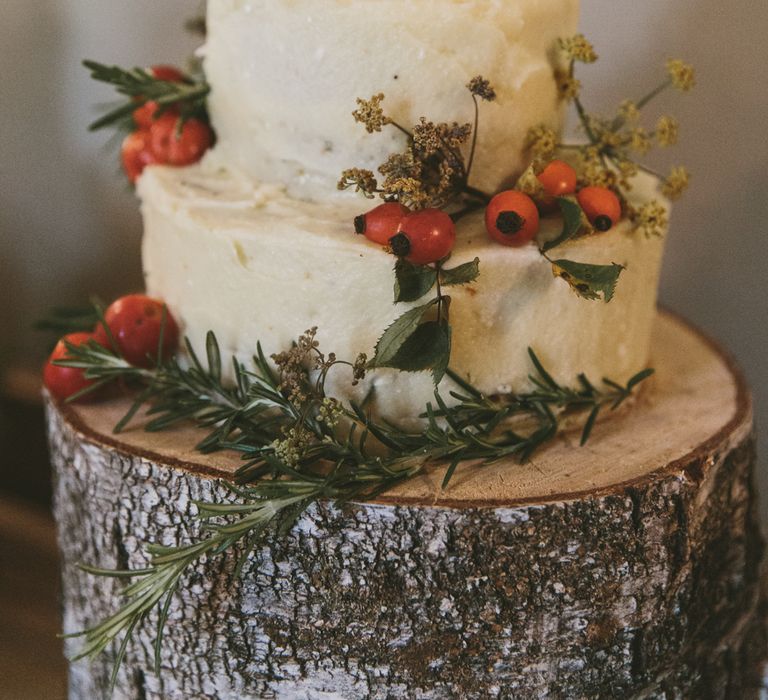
x: 397, y: 333
x: 461, y: 274
x: 587, y: 280
x: 428, y: 347
x: 574, y: 221
x: 413, y: 281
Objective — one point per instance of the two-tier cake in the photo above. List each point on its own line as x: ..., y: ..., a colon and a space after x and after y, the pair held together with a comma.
x: 415, y: 515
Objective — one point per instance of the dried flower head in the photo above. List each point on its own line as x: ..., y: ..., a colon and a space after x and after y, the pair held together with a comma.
x: 481, y: 88
x: 430, y: 138
x: 291, y: 448
x: 359, y: 367
x: 542, y: 141
x: 650, y: 219
x: 293, y: 366
x: 681, y: 74
x: 628, y: 111
x: 667, y: 131
x: 362, y: 180
x: 529, y: 183
x: 676, y: 182
x: 639, y: 140
x: 577, y: 48
x: 370, y: 113
x: 330, y: 412
x: 568, y: 87
x: 593, y: 169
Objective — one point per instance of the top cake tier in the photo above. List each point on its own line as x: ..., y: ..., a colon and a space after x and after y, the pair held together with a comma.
x: 285, y: 75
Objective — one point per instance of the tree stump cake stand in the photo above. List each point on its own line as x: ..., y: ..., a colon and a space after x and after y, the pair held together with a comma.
x: 628, y: 568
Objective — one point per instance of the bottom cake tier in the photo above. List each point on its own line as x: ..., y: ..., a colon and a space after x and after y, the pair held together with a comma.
x: 630, y: 567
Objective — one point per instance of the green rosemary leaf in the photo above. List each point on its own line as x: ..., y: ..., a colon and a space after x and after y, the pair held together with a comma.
x: 451, y: 469
x: 214, y: 356
x: 413, y: 281
x: 546, y: 377
x: 397, y: 334
x: 461, y: 274
x: 585, y: 433
x: 62, y: 320
x: 587, y: 280
x: 161, y: 620
x: 639, y: 377
x: 573, y: 221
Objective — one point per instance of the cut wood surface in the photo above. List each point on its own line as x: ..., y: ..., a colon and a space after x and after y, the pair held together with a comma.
x: 630, y: 567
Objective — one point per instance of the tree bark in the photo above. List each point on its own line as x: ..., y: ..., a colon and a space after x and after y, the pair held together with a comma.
x: 630, y: 568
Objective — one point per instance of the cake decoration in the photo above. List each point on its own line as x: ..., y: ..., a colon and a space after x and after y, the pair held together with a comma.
x: 300, y: 440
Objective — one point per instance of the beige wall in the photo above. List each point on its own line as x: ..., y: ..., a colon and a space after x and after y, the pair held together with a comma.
x: 69, y: 225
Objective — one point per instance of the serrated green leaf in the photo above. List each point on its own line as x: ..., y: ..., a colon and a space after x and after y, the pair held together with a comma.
x: 397, y: 333
x: 587, y: 280
x: 413, y: 281
x: 461, y: 274
x: 574, y: 221
x: 427, y: 348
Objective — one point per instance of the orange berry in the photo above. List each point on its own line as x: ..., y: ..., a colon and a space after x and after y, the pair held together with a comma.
x: 381, y: 222
x: 512, y: 218
x: 558, y: 179
x: 601, y: 206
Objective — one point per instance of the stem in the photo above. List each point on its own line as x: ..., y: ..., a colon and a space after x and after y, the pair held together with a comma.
x: 468, y: 169
x: 472, y: 206
x: 474, y: 192
x: 620, y: 121
x: 401, y: 128
x: 438, y: 268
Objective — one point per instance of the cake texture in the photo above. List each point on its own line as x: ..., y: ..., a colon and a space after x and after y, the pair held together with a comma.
x: 254, y: 265
x: 284, y: 77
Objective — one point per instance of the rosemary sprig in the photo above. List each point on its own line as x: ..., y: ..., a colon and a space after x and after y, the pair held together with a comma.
x: 299, y: 446
x: 140, y: 86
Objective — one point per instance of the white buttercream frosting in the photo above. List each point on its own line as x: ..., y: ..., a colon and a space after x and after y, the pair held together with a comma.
x: 285, y: 76
x: 254, y: 264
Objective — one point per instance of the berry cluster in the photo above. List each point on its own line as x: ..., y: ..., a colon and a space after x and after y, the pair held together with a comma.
x: 136, y: 327
x: 511, y: 217
x: 420, y: 237
x: 163, y: 135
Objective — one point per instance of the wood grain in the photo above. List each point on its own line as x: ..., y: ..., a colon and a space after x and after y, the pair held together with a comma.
x: 629, y: 568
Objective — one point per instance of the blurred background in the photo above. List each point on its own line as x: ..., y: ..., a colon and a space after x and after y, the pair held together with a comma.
x: 70, y: 227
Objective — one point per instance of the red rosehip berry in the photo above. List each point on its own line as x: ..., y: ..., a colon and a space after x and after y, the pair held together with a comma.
x: 424, y: 236
x: 144, y: 116
x: 558, y: 179
x: 174, y: 147
x: 135, y: 322
x: 381, y: 222
x: 512, y: 218
x: 601, y: 206
x: 64, y: 382
x: 169, y: 74
x: 135, y: 154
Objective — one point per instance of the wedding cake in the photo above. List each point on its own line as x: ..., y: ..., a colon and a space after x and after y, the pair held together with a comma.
x: 256, y: 243
x: 370, y: 206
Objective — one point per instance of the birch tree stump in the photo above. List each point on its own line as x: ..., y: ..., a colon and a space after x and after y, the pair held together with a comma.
x: 629, y: 568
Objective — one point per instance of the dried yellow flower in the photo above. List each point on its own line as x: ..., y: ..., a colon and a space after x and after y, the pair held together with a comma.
x: 628, y: 111
x: 639, y: 140
x: 481, y: 88
x: 650, y: 219
x: 362, y: 180
x: 681, y: 74
x: 529, y: 183
x: 676, y: 182
x: 370, y: 113
x: 568, y: 87
x: 666, y: 131
x: 542, y: 141
x: 577, y: 48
